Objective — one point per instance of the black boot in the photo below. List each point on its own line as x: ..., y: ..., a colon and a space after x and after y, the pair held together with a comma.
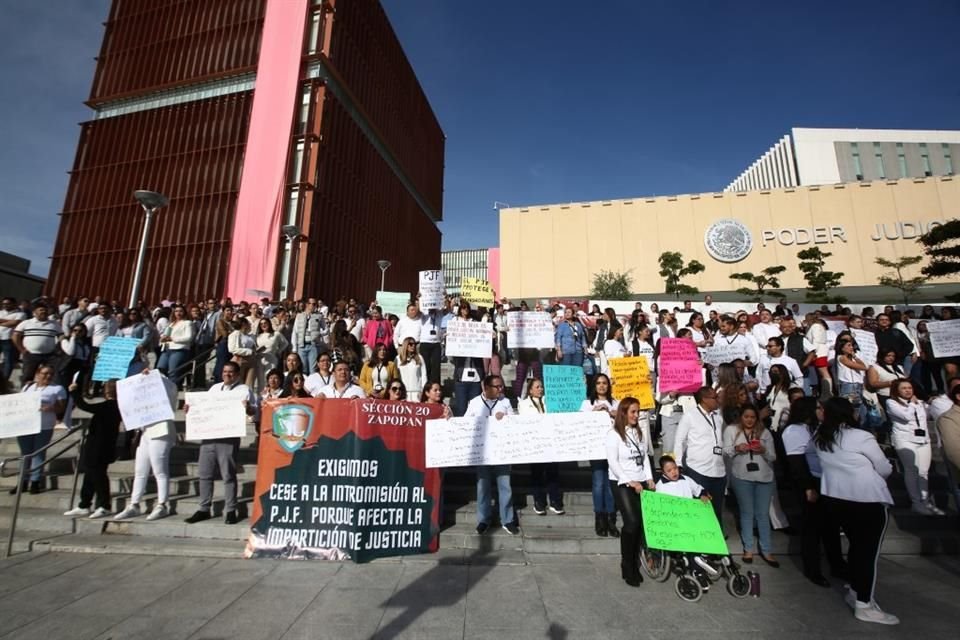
x: 601, y: 524
x: 36, y: 486
x: 612, y: 525
x: 629, y: 565
x: 24, y: 487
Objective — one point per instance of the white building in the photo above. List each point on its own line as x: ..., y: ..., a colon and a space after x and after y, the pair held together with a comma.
x: 809, y: 157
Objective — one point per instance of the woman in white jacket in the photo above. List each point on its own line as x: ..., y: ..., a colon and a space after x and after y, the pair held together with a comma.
x: 176, y: 339
x: 817, y: 335
x: 411, y: 366
x: 241, y: 346
x: 544, y: 476
x: 270, y: 344
x: 911, y: 438
x: 153, y: 455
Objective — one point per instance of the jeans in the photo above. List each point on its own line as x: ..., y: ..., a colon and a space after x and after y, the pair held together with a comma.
x: 29, y: 444
x: 308, y: 354
x: 223, y: 354
x: 485, y: 477
x: 10, y: 356
x: 853, y: 391
x: 574, y: 359
x: 600, y: 479
x: 171, y: 360
x: 463, y: 393
x: 716, y: 487
x: 753, y: 498
x: 545, y: 479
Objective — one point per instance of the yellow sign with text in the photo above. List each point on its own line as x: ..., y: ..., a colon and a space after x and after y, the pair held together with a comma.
x: 476, y: 291
x: 631, y: 378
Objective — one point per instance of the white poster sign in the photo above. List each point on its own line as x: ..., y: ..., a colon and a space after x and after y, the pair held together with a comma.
x: 529, y: 330
x: 468, y: 339
x: 19, y: 414
x: 431, y: 289
x: 145, y: 399
x: 723, y: 352
x: 558, y: 437
x: 216, y: 414
x: 868, y: 345
x: 945, y: 338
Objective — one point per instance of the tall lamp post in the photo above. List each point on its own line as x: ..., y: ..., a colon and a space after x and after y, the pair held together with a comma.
x: 292, y: 233
x: 384, y: 265
x: 150, y: 201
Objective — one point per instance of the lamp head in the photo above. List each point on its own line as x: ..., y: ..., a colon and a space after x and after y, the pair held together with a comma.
x: 290, y: 230
x: 383, y: 264
x: 151, y: 199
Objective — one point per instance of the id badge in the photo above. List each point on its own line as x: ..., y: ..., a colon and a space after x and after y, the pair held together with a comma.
x: 470, y: 374
x: 718, y: 451
x: 920, y: 433
x: 753, y: 466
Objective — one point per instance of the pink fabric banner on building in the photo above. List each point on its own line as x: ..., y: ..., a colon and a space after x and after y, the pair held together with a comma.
x: 493, y: 270
x: 256, y: 228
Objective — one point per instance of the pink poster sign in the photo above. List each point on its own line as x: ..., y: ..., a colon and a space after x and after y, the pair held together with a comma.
x: 680, y: 369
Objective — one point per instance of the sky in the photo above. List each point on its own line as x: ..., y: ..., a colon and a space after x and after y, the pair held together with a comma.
x: 544, y: 101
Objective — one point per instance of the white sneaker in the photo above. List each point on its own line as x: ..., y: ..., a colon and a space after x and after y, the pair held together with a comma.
x: 873, y: 613
x: 130, y: 512
x: 937, y: 511
x: 99, y: 513
x: 159, y: 511
x: 922, y: 509
x: 77, y: 512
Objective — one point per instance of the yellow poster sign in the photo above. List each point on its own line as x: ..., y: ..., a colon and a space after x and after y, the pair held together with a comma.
x: 477, y: 291
x: 631, y: 377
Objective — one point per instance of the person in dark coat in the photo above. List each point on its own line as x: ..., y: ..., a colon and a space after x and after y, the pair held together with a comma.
x: 98, y: 452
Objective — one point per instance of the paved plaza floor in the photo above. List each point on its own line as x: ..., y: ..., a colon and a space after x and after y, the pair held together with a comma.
x: 449, y: 595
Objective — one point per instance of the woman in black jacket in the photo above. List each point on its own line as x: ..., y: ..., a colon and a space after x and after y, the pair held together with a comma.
x: 805, y: 416
x: 98, y: 452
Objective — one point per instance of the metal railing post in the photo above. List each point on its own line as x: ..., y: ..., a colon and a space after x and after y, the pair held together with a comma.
x: 24, y: 464
x: 76, y: 469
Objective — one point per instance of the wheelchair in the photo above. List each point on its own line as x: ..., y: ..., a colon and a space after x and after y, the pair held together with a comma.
x: 694, y: 573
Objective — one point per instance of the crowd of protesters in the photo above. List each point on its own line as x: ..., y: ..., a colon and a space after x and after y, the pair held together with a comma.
x: 797, y: 409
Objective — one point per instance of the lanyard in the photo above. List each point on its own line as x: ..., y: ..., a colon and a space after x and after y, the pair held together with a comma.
x: 379, y: 373
x: 537, y: 403
x: 342, y: 393
x: 490, y: 407
x: 324, y: 381
x: 713, y: 425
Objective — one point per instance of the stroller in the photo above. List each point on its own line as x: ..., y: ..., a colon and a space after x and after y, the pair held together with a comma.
x: 694, y: 572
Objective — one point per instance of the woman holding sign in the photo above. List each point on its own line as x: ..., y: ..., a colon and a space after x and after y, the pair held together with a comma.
x: 98, y: 452
x: 629, y: 475
x: 599, y: 399
x: 53, y: 401
x: 544, y: 476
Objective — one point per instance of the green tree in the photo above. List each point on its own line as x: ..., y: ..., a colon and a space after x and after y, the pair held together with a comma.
x: 764, y: 283
x: 673, y: 268
x: 907, y: 286
x: 611, y: 285
x: 942, y: 246
x: 819, y: 280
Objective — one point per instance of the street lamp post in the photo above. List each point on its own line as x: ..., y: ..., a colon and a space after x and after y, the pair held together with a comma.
x: 150, y: 201
x: 292, y: 233
x: 384, y: 265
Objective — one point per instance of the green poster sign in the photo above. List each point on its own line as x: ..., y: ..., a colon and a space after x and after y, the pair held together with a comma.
x: 394, y: 302
x: 681, y: 524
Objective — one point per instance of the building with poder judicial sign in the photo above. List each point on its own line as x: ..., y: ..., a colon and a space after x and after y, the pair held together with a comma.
x: 251, y: 115
x: 553, y: 250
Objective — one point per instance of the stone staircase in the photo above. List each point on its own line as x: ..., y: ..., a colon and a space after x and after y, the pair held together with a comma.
x: 41, y: 524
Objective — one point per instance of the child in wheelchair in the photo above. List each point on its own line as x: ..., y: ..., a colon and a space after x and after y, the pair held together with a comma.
x: 695, y: 572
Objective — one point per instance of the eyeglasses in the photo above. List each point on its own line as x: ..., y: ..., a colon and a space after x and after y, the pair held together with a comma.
x: 397, y: 389
x: 496, y: 386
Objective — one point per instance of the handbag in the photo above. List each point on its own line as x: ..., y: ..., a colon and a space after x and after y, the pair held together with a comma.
x: 873, y: 418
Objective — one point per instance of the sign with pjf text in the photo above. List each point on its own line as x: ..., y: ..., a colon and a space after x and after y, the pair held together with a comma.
x: 529, y: 330
x: 431, y: 289
x: 344, y: 479
x: 945, y: 338
x: 469, y: 339
x: 476, y: 291
x: 515, y: 439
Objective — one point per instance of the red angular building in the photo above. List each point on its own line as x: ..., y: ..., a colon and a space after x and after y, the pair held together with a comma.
x: 251, y: 115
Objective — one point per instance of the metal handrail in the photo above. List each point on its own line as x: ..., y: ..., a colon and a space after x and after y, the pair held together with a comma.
x: 26, y: 462
x: 201, y: 358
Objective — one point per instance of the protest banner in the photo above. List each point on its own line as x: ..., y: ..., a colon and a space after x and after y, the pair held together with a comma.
x: 216, y: 414
x: 514, y: 439
x: 344, y: 479
x: 564, y: 388
x: 529, y: 330
x: 631, y: 378
x: 671, y: 523
x: 680, y: 370
x: 721, y: 351
x: 476, y: 291
x: 469, y: 339
x: 20, y: 414
x: 394, y: 302
x: 431, y: 289
x: 945, y: 338
x: 837, y: 325
x: 146, y: 399
x: 114, y: 358
x: 867, y: 342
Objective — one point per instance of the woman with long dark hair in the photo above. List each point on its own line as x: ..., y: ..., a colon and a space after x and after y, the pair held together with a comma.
x: 629, y: 475
x: 600, y: 398
x: 911, y: 439
x: 804, y: 468
x: 855, y: 494
x: 544, y: 476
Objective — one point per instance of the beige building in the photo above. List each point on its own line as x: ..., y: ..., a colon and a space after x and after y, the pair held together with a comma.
x: 553, y: 250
